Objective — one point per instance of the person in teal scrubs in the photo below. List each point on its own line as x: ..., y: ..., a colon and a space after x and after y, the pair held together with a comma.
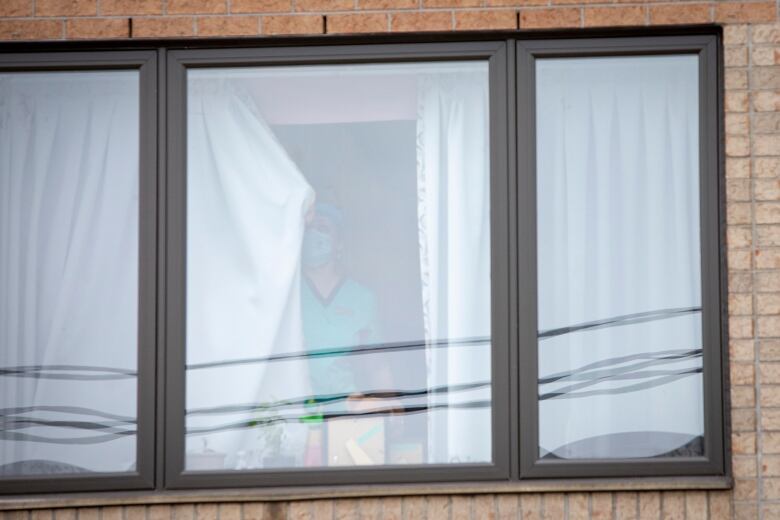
x: 337, y: 311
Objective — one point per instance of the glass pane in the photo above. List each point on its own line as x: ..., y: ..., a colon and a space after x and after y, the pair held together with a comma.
x: 68, y: 271
x: 338, y: 266
x: 620, y: 332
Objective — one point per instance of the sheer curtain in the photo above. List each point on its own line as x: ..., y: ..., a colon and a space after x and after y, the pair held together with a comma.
x: 618, y: 249
x: 68, y: 271
x: 246, y: 207
x: 454, y: 228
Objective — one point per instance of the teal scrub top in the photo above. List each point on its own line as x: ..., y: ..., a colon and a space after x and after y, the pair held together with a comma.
x: 347, y: 318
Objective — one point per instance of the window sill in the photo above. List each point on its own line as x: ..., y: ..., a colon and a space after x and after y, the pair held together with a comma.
x: 384, y: 490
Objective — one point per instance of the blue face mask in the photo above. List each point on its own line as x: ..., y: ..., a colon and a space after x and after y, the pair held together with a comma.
x: 317, y: 248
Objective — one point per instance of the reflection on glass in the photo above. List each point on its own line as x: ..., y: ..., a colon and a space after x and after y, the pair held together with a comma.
x: 619, y: 283
x: 338, y: 269
x: 68, y: 272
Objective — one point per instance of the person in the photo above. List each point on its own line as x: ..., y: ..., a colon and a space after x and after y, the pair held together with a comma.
x: 337, y: 311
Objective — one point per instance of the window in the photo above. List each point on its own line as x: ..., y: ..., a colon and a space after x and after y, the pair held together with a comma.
x: 385, y: 263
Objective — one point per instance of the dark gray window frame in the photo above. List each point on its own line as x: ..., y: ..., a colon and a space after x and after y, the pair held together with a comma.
x: 513, y: 229
x: 713, y: 268
x: 146, y: 64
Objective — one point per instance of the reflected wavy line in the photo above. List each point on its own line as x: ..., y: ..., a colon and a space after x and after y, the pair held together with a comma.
x: 567, y: 394
x: 381, y: 412
x: 617, y: 321
x: 98, y: 439
x: 13, y: 423
x: 588, y: 375
x: 335, y: 398
x: 75, y: 410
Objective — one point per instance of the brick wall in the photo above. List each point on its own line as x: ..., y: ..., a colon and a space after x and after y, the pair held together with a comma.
x: 752, y: 81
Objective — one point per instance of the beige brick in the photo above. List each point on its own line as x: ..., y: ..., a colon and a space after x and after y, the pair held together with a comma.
x: 601, y: 506
x: 737, y: 168
x: 744, y: 396
x: 770, y: 395
x: 41, y: 514
x: 696, y: 505
x: 768, y: 303
x: 766, y: 122
x: 737, y: 146
x: 392, y: 508
x: 737, y: 124
x: 187, y: 512
x: 370, y: 508
x: 742, y: 373
x: 765, y: 56
x: 745, y: 467
x: 769, y: 350
x: 649, y: 505
x: 767, y: 167
x: 743, y: 420
x: 739, y: 213
x: 762, y: 78
x: 770, y: 373
x: 451, y: 3
x: 766, y: 145
x: 65, y: 7
x: 770, y: 488
x: 736, y: 101
x: 720, y: 504
x: 743, y: 443
x: 768, y: 236
x: 460, y: 507
x: 737, y: 190
x: 9, y: 8
x: 739, y: 236
x: 740, y: 327
x: 414, y: 507
x: 735, y: 34
x: 515, y: 3
x: 197, y: 6
x: 230, y: 511
x: 742, y: 282
x: 388, y: 4
x: 747, y: 511
x: 550, y: 18
x: 476, y: 20
x: 742, y: 350
x: 358, y: 23
x: 578, y: 506
x: 768, y: 101
x: 766, y: 33
x: 88, y: 513
x: 767, y: 281
x: 735, y: 12
x: 740, y: 304
x: 135, y: 513
x: 745, y: 489
x: 229, y: 26
x: 161, y: 512
x: 324, y: 5
x: 626, y: 505
x: 735, y: 79
x: 740, y: 259
x: 136, y: 7
x: 613, y: 16
x: 163, y: 27
x: 767, y: 212
x: 97, y: 28
x: 319, y: 508
x: 554, y: 506
x: 531, y: 506
x: 23, y: 29
x: 735, y: 56
x: 257, y: 510
x: 260, y: 6
x: 296, y: 510
x: 206, y: 512
x: 438, y: 507
x: 484, y: 506
x: 770, y: 419
x: 766, y: 189
x: 673, y: 505
x: 421, y: 21
x: 295, y: 24
x: 670, y: 14
x: 770, y: 442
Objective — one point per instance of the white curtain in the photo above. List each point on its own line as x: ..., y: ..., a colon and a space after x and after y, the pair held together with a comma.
x: 618, y: 251
x: 454, y: 228
x: 245, y: 221
x: 68, y: 270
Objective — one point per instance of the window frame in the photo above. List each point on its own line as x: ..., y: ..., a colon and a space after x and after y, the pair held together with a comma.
x: 145, y: 62
x: 511, y: 54
x: 713, y: 257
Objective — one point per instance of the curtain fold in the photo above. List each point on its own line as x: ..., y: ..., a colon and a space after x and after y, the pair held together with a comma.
x: 68, y: 270
x: 246, y: 207
x: 454, y: 232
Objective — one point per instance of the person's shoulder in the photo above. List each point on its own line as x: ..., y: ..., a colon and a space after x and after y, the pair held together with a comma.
x: 359, y: 291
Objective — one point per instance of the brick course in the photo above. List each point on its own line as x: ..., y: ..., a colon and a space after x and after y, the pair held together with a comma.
x: 752, y: 147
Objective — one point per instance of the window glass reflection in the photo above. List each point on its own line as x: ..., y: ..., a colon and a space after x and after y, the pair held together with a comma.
x: 338, y: 276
